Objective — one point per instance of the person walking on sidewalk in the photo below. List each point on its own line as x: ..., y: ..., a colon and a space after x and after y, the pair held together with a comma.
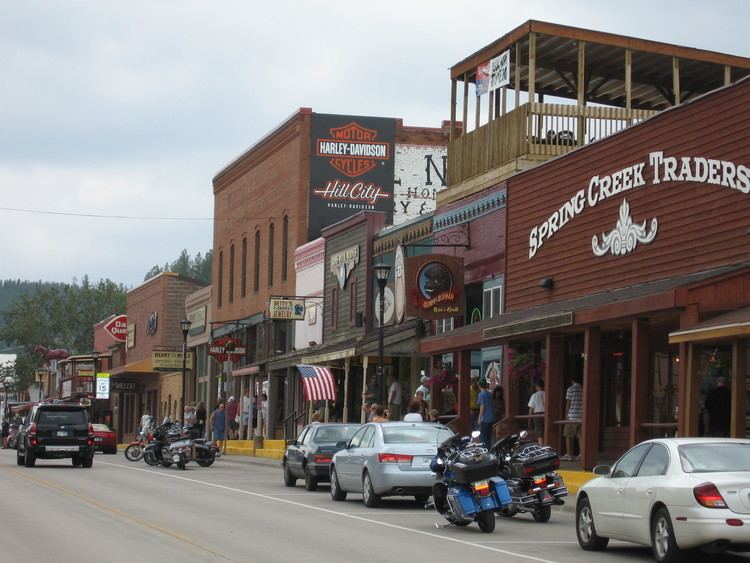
x: 394, y: 398
x: 536, y: 408
x: 486, y: 413
x: 217, y: 424
x: 571, y: 430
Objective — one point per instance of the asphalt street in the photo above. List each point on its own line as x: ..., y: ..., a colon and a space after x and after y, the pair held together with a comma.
x: 239, y: 510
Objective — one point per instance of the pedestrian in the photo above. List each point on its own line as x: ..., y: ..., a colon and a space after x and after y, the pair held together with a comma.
x: 536, y: 411
x: 423, y: 381
x: 315, y: 419
x: 255, y: 416
x: 394, y: 398
x: 498, y: 401
x: 372, y: 392
x: 5, y: 433
x: 264, y: 415
x: 434, y: 415
x: 380, y: 415
x: 188, y: 415
x: 571, y: 430
x: 246, y: 408
x: 486, y: 415
x: 473, y: 405
x: 419, y: 395
x: 200, y: 418
x: 233, y: 425
x: 217, y: 424
x: 413, y: 411
x: 370, y: 411
x: 719, y: 409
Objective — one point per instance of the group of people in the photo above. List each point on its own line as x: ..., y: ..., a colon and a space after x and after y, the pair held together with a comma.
x: 573, y: 408
x: 417, y: 410
x: 227, y: 419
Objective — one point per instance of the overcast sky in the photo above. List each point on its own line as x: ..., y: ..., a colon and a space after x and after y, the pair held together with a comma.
x: 130, y: 108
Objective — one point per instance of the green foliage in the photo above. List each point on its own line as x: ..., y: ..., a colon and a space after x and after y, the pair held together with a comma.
x: 58, y: 316
x: 198, y: 267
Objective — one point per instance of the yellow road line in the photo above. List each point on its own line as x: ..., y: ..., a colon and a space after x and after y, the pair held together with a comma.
x: 117, y: 512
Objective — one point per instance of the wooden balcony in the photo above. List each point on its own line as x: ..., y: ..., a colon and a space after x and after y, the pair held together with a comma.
x: 536, y: 132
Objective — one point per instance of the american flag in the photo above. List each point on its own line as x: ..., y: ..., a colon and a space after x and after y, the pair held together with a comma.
x: 318, y: 382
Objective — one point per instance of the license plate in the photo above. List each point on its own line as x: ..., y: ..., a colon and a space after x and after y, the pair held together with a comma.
x: 179, y: 444
x: 61, y: 448
x: 176, y: 458
x: 97, y: 439
x: 63, y: 433
x: 420, y: 461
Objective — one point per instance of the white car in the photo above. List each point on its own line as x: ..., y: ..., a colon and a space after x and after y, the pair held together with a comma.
x: 673, y: 494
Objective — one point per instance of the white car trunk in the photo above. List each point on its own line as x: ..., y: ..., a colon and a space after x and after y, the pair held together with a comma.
x: 734, y: 487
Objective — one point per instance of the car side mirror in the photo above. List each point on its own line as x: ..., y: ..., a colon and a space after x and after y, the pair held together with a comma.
x: 343, y: 444
x: 602, y: 470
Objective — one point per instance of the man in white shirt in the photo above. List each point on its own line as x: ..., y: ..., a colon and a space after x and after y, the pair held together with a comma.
x: 536, y: 407
x: 395, y: 398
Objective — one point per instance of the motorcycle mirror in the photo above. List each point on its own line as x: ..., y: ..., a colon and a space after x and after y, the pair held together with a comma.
x: 475, y: 434
x: 523, y: 434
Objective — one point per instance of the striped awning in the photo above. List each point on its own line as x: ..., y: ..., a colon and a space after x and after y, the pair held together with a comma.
x: 318, y: 383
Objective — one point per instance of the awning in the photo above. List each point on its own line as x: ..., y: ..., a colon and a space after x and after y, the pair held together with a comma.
x: 140, y: 366
x: 318, y: 383
x: 248, y: 370
x: 730, y: 325
x: 330, y: 356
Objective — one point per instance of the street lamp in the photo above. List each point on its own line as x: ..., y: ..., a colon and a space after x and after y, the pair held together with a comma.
x: 95, y: 358
x: 185, y: 328
x: 382, y: 271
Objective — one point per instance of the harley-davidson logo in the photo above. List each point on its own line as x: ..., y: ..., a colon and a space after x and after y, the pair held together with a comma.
x: 353, y: 149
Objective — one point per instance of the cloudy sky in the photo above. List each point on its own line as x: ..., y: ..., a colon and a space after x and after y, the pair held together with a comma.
x: 115, y: 116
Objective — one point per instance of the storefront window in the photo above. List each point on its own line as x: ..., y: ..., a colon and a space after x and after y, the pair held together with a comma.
x: 715, y: 376
x: 664, y: 388
x: 616, y: 358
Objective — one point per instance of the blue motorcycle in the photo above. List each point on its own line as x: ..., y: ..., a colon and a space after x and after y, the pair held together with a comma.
x: 469, y: 488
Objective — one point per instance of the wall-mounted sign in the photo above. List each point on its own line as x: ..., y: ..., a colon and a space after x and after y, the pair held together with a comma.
x: 102, y: 386
x: 226, y: 348
x: 399, y: 297
x: 123, y: 385
x: 131, y: 335
x: 434, y: 286
x: 342, y: 263
x: 85, y: 372
x: 280, y: 308
x: 351, y: 168
x: 153, y: 323
x: 162, y: 360
x: 118, y: 328
x: 388, y: 306
x: 493, y: 74
x: 197, y: 318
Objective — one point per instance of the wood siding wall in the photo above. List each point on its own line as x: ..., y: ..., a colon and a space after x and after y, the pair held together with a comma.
x: 700, y: 226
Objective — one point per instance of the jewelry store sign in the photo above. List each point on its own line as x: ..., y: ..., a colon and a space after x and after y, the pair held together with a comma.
x: 286, y: 309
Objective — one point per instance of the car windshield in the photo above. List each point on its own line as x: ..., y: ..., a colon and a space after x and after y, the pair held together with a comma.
x: 100, y: 427
x: 336, y: 434
x: 60, y: 416
x: 718, y: 456
x: 417, y: 434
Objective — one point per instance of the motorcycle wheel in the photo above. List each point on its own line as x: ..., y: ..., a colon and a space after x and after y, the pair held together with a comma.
x: 150, y: 459
x: 134, y: 452
x: 542, y: 514
x: 166, y: 463
x: 206, y: 462
x: 181, y: 465
x: 508, y: 512
x: 486, y: 521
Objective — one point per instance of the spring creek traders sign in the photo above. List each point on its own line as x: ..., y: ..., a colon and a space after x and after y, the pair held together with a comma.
x: 659, y: 169
x: 351, y: 168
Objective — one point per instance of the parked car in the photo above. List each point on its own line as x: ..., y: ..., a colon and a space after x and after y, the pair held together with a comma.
x: 309, y: 456
x: 105, y: 439
x: 387, y: 459
x: 673, y: 494
x: 55, y: 431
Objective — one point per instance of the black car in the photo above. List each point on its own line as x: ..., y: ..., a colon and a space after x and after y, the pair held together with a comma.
x: 309, y: 456
x: 56, y: 431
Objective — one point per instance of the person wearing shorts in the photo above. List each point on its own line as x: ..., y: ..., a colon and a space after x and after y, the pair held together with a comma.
x: 571, y: 430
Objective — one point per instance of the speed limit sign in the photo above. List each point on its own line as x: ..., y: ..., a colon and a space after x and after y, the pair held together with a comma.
x: 102, y: 386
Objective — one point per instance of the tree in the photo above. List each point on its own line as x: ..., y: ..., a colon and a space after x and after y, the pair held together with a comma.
x: 198, y: 268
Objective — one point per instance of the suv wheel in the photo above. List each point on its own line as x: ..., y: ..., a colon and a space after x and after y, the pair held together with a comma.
x: 76, y: 460
x: 87, y: 462
x: 19, y: 458
x: 30, y: 460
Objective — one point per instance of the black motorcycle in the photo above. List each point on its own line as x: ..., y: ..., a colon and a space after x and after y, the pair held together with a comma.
x: 173, y: 444
x: 530, y: 470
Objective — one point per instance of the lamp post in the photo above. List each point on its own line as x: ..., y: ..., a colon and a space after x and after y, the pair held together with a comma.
x: 382, y: 271
x: 95, y: 358
x: 185, y: 328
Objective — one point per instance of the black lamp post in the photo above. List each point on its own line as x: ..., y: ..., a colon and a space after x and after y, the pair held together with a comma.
x: 382, y: 271
x: 185, y: 328
x: 95, y: 358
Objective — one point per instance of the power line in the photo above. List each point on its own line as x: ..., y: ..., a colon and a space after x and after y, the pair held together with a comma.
x: 137, y: 217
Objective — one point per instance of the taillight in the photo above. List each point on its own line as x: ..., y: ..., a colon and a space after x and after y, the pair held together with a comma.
x: 394, y: 458
x: 32, y: 429
x: 709, y: 496
x: 481, y: 488
x: 540, y: 481
x: 322, y: 458
x: 90, y: 441
x: 91, y: 429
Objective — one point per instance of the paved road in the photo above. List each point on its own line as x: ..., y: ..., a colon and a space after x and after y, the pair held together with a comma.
x: 239, y: 510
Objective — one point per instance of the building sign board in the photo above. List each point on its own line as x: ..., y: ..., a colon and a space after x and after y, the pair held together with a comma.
x: 117, y: 328
x: 67, y: 388
x: 351, y: 168
x: 102, y: 386
x: 197, y: 318
x: 493, y: 74
x: 226, y: 348
x: 434, y: 286
x: 162, y: 360
x: 420, y: 173
x: 399, y: 297
x: 342, y: 263
x: 131, y: 335
x: 280, y: 308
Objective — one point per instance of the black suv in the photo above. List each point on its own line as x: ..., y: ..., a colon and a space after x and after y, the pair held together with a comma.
x: 56, y: 431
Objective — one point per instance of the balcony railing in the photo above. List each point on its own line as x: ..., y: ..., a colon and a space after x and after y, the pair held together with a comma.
x: 536, y: 131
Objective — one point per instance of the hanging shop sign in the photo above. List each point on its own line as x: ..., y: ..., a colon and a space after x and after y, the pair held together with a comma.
x: 224, y: 349
x: 388, y: 306
x: 131, y: 335
x: 342, y: 263
x: 493, y: 74
x: 434, y: 286
x: 162, y: 360
x: 117, y: 328
x: 351, y: 168
x: 399, y: 296
x: 657, y: 170
x: 282, y: 308
x: 197, y: 318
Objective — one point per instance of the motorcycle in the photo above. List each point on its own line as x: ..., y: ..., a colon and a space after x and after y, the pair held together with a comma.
x: 173, y: 444
x: 134, y: 451
x: 530, y: 471
x: 469, y: 488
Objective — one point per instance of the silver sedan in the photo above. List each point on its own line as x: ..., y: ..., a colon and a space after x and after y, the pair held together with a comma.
x: 388, y: 459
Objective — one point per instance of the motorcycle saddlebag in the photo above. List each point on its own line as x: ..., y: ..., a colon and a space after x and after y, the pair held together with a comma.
x: 467, y: 472
x: 533, y: 459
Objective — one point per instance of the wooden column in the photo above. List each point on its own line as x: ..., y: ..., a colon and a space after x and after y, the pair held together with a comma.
x: 682, y: 385
x: 676, y: 80
x: 591, y: 397
x: 692, y: 395
x: 629, y: 83
x: 532, y: 66
x: 452, y: 132
x: 363, y: 414
x: 517, y: 80
x: 554, y: 391
x: 739, y: 387
x: 490, y: 106
x: 463, y: 369
x: 511, y: 391
x: 581, y: 79
x: 504, y: 101
x: 466, y: 101
x: 345, y: 412
x: 639, y: 384
x: 727, y: 75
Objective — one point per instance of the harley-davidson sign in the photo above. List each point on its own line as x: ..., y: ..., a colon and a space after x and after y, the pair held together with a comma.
x: 351, y: 168
x: 434, y: 286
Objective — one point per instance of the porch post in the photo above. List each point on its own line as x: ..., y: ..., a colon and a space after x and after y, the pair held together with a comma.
x: 452, y: 130
x: 682, y: 385
x: 591, y: 397
x: 693, y: 393
x: 739, y: 376
x: 345, y: 413
x: 363, y: 415
x: 553, y: 391
x: 639, y: 390
x: 466, y: 101
x: 511, y: 390
x: 463, y: 371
